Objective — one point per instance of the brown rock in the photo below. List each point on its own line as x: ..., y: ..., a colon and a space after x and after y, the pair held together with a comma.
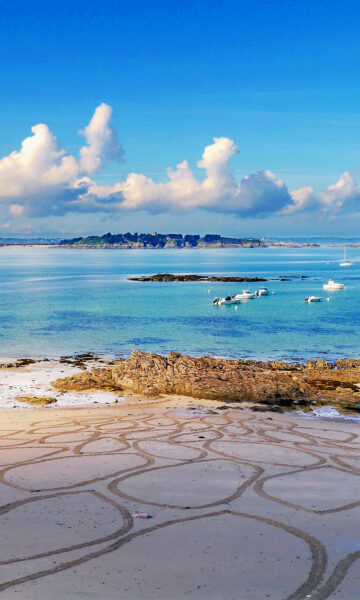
x: 205, y: 377
x: 273, y: 383
x: 36, y: 400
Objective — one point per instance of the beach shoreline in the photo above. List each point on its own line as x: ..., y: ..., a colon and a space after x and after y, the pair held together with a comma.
x: 275, y: 385
x: 314, y: 388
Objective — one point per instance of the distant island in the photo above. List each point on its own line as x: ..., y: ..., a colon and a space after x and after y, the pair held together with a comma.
x: 164, y: 240
x: 161, y: 240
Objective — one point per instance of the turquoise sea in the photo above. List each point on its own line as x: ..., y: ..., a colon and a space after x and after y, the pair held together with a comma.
x: 57, y: 302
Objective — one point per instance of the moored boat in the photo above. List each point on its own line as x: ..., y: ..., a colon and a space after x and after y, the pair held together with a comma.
x: 333, y: 285
x: 262, y: 292
x: 313, y: 299
x: 245, y: 295
x: 227, y: 300
x: 345, y: 262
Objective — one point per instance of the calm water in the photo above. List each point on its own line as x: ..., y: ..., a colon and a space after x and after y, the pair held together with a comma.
x: 58, y: 301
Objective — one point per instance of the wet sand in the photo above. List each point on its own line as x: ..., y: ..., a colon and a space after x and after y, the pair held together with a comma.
x: 244, y: 505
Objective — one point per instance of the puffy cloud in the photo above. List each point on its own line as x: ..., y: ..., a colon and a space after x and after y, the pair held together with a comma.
x: 343, y: 196
x: 102, y: 141
x: 302, y: 200
x: 182, y: 191
x: 40, y: 164
x: 340, y: 198
x: 261, y: 194
x: 256, y: 195
x: 43, y: 179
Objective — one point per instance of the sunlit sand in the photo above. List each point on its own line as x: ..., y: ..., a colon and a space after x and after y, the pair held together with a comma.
x: 242, y: 505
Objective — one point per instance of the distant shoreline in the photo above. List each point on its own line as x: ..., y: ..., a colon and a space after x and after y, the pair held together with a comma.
x: 202, y: 247
x: 178, y: 241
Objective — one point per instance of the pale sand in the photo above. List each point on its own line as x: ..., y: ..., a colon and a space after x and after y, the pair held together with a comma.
x: 245, y: 506
x: 35, y: 380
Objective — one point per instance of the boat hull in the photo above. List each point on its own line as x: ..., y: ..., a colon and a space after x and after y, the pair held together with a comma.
x: 240, y: 297
x: 333, y: 287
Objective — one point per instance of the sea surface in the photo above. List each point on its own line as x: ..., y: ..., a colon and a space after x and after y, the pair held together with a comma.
x: 57, y: 301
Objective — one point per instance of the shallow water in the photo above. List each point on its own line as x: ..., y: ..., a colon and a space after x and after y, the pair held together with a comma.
x: 328, y: 413
x: 60, y: 301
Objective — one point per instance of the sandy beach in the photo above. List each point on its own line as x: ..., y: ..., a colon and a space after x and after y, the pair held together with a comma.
x: 35, y: 380
x: 242, y: 504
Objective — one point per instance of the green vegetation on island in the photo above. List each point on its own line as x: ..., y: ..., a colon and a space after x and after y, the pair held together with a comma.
x: 161, y: 240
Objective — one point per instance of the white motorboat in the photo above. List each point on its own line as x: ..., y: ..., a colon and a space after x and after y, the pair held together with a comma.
x: 345, y: 263
x: 333, y: 285
x: 245, y: 295
x: 227, y: 300
x: 262, y: 292
x: 313, y: 299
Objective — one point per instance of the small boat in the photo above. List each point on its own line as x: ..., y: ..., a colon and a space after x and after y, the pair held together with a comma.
x: 333, y: 285
x: 345, y: 263
x: 262, y: 292
x: 313, y: 299
x: 227, y: 300
x: 245, y: 295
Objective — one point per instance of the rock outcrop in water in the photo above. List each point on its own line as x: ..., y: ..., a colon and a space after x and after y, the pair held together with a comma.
x: 168, y: 277
x: 272, y: 383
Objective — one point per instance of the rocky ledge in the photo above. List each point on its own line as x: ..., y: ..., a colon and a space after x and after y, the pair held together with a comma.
x: 17, y: 364
x: 277, y: 384
x: 168, y: 277
x: 192, y: 277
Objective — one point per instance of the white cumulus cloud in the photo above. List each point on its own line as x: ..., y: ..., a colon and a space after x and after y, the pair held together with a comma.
x: 42, y: 179
x: 340, y: 198
x: 256, y: 195
x: 102, y: 141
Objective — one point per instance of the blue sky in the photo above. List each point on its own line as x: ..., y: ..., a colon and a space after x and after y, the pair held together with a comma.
x: 279, y: 79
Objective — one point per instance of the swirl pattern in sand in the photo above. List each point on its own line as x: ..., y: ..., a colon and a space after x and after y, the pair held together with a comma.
x: 242, y: 504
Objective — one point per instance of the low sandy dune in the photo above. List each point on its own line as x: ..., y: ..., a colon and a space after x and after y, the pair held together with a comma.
x: 244, y: 505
